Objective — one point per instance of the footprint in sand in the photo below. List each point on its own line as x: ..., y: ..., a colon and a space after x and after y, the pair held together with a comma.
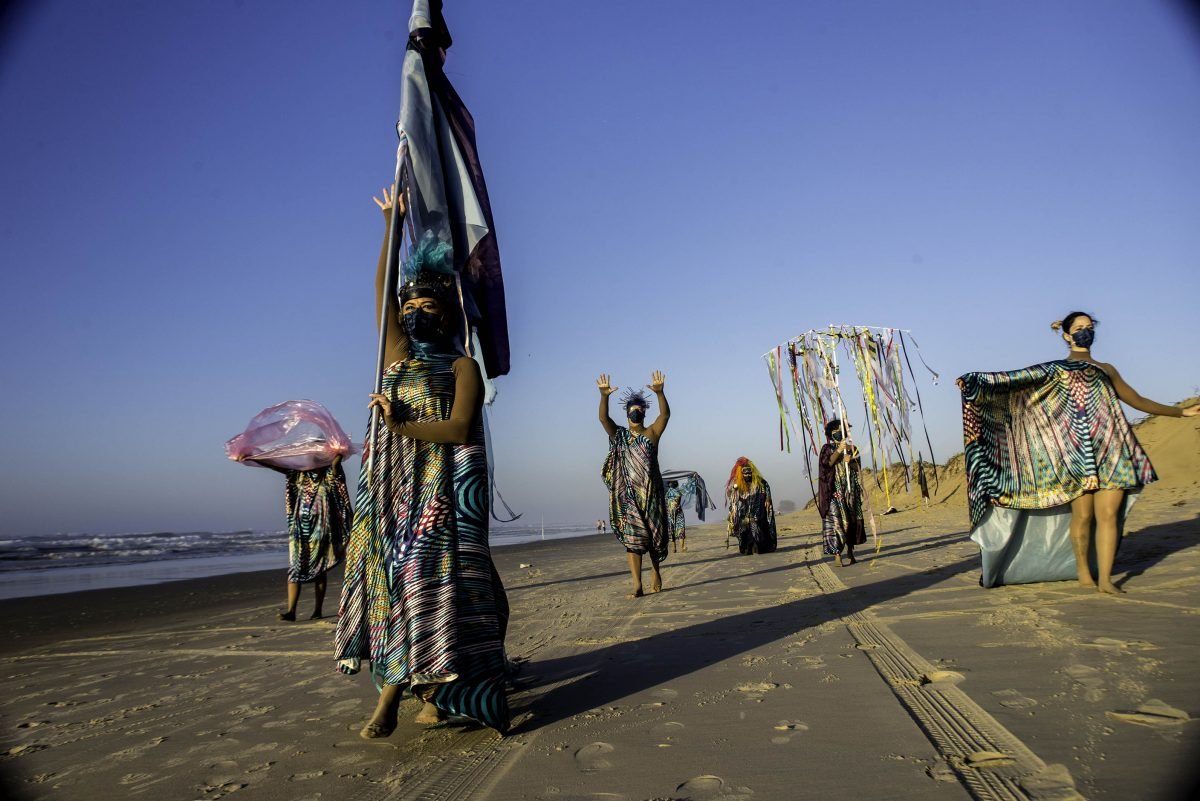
x: 708, y: 786
x: 1155, y: 714
x: 1011, y: 699
x: 755, y: 690
x: 1089, y: 679
x: 593, y: 757
x: 1051, y: 783
x: 787, y: 729
x: 809, y: 662
x: 1112, y: 644
x: 669, y: 729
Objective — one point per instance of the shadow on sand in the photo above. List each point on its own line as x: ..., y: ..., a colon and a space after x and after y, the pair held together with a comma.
x: 602, y: 676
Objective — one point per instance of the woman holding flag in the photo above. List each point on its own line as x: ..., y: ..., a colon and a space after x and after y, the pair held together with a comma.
x: 421, y: 599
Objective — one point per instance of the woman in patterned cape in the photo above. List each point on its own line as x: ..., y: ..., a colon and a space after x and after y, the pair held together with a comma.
x: 751, y: 512
x: 1053, y: 465
x: 840, y: 494
x: 637, y: 502
x: 421, y: 598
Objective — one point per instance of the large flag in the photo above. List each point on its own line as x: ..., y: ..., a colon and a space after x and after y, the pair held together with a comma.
x: 446, y: 190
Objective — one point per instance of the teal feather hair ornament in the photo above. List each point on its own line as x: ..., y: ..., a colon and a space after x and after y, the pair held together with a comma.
x: 429, y: 271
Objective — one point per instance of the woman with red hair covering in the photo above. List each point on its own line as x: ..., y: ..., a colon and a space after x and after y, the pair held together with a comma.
x: 751, y: 513
x: 839, y: 496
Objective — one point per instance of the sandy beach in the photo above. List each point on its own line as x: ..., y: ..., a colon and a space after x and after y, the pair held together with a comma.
x: 779, y: 676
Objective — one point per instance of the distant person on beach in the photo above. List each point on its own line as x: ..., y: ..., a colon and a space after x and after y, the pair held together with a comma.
x: 922, y: 482
x: 637, y: 503
x: 421, y: 598
x: 839, y: 494
x: 600, y: 526
x: 319, y: 516
x: 1079, y: 464
x: 318, y: 523
x: 676, y: 523
x: 751, y: 511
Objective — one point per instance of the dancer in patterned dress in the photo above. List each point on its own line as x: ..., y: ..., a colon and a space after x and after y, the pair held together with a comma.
x: 421, y: 598
x: 1053, y: 465
x: 319, y: 515
x: 676, y: 524
x: 751, y: 511
x: 839, y: 494
x: 637, y: 502
x: 318, y: 518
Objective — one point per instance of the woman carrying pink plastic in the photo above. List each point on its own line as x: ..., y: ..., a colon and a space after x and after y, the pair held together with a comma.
x: 302, y: 440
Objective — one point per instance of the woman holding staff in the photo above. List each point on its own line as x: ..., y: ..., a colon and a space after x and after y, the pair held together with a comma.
x: 421, y: 598
x: 840, y: 494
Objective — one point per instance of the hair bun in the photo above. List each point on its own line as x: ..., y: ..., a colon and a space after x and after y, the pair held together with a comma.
x: 1056, y: 325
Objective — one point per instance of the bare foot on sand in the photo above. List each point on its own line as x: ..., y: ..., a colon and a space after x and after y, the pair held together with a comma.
x: 1110, y: 588
x: 1086, y: 580
x: 316, y: 615
x: 288, y: 616
x: 429, y: 714
x: 637, y: 593
x: 656, y: 583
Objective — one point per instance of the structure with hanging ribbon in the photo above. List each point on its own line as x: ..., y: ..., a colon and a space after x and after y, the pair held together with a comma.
x: 808, y: 369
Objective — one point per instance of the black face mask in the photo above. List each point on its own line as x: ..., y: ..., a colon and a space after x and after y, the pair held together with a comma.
x: 1084, y: 337
x: 636, y: 415
x: 423, y: 326
x: 836, y: 436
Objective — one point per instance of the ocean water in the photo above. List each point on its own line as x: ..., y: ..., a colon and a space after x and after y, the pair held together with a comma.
x: 60, y: 563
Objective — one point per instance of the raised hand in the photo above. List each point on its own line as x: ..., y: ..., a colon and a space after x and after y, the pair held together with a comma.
x: 389, y: 199
x: 602, y: 385
x: 657, y: 379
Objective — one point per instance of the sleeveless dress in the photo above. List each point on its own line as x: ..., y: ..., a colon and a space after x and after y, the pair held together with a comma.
x: 421, y: 598
x: 1035, y: 440
x: 637, y: 505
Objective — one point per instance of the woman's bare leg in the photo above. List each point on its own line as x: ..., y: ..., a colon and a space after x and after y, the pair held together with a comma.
x: 293, y: 598
x: 1082, y: 513
x: 635, y: 567
x: 319, y: 590
x: 1107, y: 507
x: 383, y: 720
x: 429, y: 714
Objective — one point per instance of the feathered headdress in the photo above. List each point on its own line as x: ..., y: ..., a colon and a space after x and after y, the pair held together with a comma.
x: 738, y: 481
x: 635, y: 397
x: 429, y: 271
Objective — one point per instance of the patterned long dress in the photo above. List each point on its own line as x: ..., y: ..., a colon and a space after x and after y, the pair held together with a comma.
x: 752, y: 518
x: 318, y: 515
x: 676, y: 524
x: 637, y: 504
x: 421, y: 597
x: 1034, y: 440
x: 839, y: 502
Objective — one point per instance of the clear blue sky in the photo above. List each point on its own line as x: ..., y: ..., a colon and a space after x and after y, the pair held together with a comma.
x: 188, y: 235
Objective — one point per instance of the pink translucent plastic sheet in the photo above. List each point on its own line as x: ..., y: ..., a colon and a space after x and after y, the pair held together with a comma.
x: 293, y: 435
